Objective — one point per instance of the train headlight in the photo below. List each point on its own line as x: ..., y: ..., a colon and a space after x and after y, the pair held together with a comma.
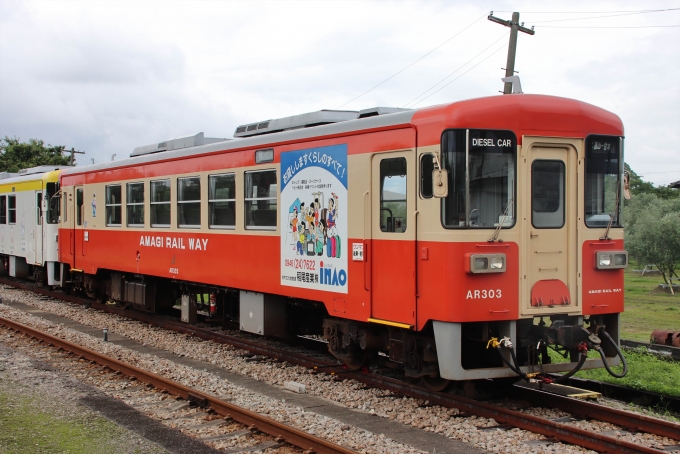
x: 485, y: 263
x: 611, y: 260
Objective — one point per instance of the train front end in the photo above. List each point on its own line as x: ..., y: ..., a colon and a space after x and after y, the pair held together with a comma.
x: 536, y: 256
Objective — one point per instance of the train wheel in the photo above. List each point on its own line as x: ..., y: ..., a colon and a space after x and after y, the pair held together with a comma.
x: 435, y: 384
x: 356, y: 360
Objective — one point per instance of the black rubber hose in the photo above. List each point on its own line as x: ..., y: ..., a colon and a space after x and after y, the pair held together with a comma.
x: 512, y: 367
x: 618, y: 352
x: 584, y: 356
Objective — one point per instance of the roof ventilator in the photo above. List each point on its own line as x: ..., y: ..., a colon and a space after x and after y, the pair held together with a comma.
x: 176, y: 144
x: 308, y: 120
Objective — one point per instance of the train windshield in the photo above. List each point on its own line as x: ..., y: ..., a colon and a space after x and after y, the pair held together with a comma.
x: 481, y: 193
x: 604, y: 168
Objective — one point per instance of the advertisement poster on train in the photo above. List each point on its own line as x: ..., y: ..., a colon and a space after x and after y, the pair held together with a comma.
x: 314, y: 218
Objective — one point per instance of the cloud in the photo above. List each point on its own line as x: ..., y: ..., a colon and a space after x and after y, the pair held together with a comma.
x: 107, y: 76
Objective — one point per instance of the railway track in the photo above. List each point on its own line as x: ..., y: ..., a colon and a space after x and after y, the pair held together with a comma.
x: 561, y: 430
x: 253, y: 421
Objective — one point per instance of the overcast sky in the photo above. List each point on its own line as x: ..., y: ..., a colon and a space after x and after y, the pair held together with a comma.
x: 105, y: 77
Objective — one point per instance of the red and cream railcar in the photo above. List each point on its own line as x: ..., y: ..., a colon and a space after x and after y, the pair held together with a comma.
x: 422, y: 234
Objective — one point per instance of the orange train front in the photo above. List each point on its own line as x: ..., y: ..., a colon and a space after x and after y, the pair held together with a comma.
x: 460, y: 241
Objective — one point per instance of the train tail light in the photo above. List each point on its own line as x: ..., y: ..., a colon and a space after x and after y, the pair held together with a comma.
x: 609, y: 260
x: 485, y: 263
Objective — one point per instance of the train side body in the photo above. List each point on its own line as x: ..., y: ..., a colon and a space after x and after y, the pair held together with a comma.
x: 346, y: 219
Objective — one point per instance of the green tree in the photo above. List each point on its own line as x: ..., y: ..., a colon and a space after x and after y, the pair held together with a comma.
x: 653, y: 232
x: 16, y: 155
x: 638, y: 186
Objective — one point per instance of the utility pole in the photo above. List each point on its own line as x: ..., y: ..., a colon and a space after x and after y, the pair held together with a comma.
x: 73, y: 153
x: 512, y: 48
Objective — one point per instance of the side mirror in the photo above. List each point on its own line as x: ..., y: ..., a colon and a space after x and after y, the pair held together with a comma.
x: 440, y: 186
x: 626, y: 185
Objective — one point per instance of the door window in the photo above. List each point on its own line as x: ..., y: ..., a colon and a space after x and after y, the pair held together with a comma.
x: 547, y: 194
x: 79, y: 206
x: 393, y: 195
x: 3, y: 209
x: 38, y: 203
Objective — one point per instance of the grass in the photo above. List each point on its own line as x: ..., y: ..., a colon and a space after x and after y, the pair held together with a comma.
x: 646, y: 372
x: 27, y: 426
x: 646, y: 308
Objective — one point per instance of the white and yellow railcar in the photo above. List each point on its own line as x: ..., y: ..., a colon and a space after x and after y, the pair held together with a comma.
x: 29, y: 220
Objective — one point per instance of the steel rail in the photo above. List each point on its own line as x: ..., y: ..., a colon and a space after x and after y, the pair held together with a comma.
x: 266, y: 425
x: 630, y: 421
x: 549, y: 428
x: 534, y: 424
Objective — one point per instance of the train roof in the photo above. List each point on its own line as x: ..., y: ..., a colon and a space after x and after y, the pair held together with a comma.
x: 32, y: 174
x: 525, y: 114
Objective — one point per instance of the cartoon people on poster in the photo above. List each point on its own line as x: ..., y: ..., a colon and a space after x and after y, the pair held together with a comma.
x: 313, y: 227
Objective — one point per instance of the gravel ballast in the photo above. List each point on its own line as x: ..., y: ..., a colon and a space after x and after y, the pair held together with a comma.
x: 351, y: 394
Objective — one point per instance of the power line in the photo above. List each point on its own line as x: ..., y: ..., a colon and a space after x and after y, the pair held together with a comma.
x: 454, y: 72
x: 668, y: 171
x: 612, y: 15
x: 593, y: 12
x: 482, y: 61
x: 408, y: 66
x: 641, y: 26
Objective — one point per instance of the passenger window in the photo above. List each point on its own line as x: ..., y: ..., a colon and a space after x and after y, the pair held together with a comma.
x: 426, y: 169
x: 547, y: 194
x: 3, y: 209
x: 113, y: 205
x: 222, y: 201
x: 160, y: 203
x: 79, y: 206
x: 393, y: 195
x: 260, y: 199
x: 135, y: 204
x: 189, y: 202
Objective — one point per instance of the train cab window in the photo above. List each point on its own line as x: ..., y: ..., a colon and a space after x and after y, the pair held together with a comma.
x: 426, y: 169
x: 53, y: 203
x: 189, y: 202
x: 222, y: 201
x: 160, y: 203
x: 393, y: 195
x: 79, y: 206
x: 603, y: 167
x: 38, y: 206
x: 260, y: 199
x: 135, y: 204
x: 481, y: 178
x: 12, y: 209
x: 113, y: 205
x: 3, y: 209
x: 547, y: 194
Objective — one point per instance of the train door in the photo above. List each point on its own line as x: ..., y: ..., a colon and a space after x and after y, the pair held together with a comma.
x: 28, y: 227
x: 551, y: 251
x: 76, y: 223
x: 39, y: 227
x: 393, y: 231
